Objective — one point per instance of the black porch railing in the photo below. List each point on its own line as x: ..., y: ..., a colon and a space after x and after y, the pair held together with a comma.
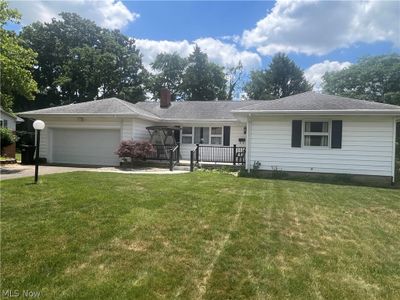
x: 218, y: 154
x: 167, y: 153
x: 173, y: 157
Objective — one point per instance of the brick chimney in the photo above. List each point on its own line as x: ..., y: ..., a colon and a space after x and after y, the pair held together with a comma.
x: 165, y: 98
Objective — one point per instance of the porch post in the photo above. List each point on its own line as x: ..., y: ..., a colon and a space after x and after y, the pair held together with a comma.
x: 197, y: 153
x: 171, y: 159
x: 179, y: 152
x: 191, y: 160
x: 234, y: 154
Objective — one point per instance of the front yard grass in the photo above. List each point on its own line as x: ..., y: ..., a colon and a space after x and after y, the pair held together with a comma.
x: 200, y: 235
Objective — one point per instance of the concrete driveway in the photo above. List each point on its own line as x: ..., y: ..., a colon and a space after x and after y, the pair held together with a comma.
x: 19, y: 171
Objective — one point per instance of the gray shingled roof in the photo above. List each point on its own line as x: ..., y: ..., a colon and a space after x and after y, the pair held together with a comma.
x: 195, y: 110
x: 109, y: 106
x: 215, y: 110
x: 312, y: 101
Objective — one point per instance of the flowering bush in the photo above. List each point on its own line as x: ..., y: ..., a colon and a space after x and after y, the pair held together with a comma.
x: 134, y: 149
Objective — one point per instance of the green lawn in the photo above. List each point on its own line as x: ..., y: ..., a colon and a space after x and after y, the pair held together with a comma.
x: 200, y: 235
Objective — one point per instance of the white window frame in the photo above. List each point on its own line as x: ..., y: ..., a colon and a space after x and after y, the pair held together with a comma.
x: 304, y: 133
x: 217, y: 135
x: 187, y: 135
x: 210, y: 135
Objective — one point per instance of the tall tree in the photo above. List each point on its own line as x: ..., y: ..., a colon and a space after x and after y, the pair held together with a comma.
x: 16, y: 62
x: 80, y: 61
x: 234, y: 76
x: 203, y: 80
x: 375, y: 78
x: 283, y: 78
x: 169, y: 70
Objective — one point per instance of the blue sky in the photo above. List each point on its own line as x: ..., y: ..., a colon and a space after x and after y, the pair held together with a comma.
x: 319, y: 36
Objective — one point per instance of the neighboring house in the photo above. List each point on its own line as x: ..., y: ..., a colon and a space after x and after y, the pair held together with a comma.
x: 8, y: 120
x: 308, y: 132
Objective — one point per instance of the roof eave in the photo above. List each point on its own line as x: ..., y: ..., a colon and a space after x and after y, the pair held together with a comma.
x: 172, y: 120
x: 112, y: 115
x: 388, y: 112
x: 8, y: 114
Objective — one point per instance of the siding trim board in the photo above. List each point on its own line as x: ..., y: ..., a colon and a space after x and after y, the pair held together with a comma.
x: 394, y: 150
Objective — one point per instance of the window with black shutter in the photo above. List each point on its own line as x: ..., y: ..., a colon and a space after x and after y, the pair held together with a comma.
x: 316, y: 133
x: 296, y: 133
x: 227, y: 135
x: 337, y: 128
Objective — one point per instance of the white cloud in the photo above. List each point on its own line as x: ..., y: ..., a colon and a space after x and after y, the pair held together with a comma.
x: 224, y: 54
x: 150, y: 48
x: 111, y: 14
x: 234, y: 38
x: 227, y: 54
x: 314, y: 73
x: 318, y: 27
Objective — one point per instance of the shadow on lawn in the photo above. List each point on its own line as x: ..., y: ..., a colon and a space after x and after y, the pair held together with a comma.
x: 339, y: 179
x: 10, y: 171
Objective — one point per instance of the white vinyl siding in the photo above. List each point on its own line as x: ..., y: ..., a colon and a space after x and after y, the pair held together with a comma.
x: 139, y: 131
x: 367, y: 147
x: 126, y: 129
x: 8, y: 121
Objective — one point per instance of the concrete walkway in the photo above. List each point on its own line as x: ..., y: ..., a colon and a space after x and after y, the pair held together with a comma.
x: 19, y: 171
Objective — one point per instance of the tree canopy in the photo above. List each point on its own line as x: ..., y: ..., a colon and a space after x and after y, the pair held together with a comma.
x: 192, y: 78
x: 282, y: 78
x: 169, y: 74
x: 375, y: 78
x: 80, y: 61
x: 202, y: 79
x: 16, y: 62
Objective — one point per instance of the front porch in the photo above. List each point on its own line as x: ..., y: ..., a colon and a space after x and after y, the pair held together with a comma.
x: 201, y: 155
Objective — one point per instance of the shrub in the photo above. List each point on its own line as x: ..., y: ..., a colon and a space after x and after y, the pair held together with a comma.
x: 278, y: 173
x: 135, y: 150
x: 253, y: 171
x: 7, y: 137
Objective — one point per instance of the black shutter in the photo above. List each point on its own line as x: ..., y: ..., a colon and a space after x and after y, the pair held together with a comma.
x: 336, y: 141
x: 227, y: 135
x: 296, y: 133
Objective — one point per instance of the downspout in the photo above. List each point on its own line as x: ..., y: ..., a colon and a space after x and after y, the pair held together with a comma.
x: 394, y: 151
x: 248, y: 150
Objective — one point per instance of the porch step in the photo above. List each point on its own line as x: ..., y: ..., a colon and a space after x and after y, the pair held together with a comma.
x: 182, y: 168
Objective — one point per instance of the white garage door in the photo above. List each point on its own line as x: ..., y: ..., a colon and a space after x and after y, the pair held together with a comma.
x: 85, y: 146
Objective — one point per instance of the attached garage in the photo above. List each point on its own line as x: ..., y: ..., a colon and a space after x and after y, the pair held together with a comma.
x: 85, y: 146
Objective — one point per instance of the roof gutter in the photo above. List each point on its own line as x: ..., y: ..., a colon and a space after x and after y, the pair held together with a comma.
x: 388, y: 112
x: 169, y: 120
x: 38, y: 115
